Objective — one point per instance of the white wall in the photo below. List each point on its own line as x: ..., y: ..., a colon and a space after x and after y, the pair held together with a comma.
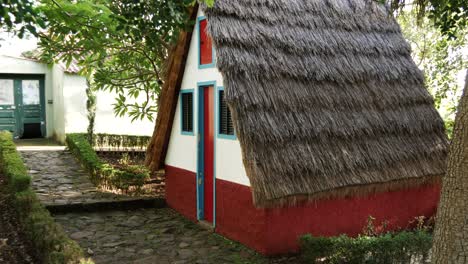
x: 76, y: 119
x: 58, y: 105
x: 182, y: 152
x: 107, y: 122
x: 74, y: 98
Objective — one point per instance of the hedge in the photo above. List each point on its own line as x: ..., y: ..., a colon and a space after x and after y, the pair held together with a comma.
x: 51, y: 243
x: 120, y: 142
x: 12, y: 164
x: 389, y: 248
x: 103, y: 174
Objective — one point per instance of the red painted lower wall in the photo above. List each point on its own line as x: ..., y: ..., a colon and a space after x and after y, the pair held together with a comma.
x: 276, y: 231
x: 181, y: 191
x: 348, y: 216
x: 236, y: 217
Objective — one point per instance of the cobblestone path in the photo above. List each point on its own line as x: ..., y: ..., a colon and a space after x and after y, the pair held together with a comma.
x: 143, y: 236
x: 59, y: 180
x: 159, y: 236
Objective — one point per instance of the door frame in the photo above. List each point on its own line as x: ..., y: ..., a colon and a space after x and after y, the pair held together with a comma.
x: 18, y: 93
x: 200, y: 150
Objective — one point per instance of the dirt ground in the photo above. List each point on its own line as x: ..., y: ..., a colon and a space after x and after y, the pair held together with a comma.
x: 14, y: 246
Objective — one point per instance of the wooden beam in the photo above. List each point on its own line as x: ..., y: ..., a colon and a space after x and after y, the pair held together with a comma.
x: 157, y: 149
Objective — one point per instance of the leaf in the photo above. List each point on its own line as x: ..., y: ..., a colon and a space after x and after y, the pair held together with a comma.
x: 122, y: 44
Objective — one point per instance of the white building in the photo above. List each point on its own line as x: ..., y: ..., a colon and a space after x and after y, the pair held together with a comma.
x: 40, y: 100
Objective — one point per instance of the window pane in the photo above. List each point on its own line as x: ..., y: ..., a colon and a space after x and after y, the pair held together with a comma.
x: 31, y: 95
x: 7, y: 95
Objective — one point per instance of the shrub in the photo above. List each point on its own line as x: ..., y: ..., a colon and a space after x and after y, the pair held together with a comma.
x: 79, y: 146
x: 389, y: 248
x: 50, y: 241
x: 12, y: 164
x: 103, y: 174
x: 121, y: 142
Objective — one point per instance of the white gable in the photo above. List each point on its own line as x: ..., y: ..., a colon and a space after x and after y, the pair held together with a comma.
x: 182, y: 152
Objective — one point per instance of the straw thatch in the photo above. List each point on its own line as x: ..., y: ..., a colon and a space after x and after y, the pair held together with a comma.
x: 325, y: 97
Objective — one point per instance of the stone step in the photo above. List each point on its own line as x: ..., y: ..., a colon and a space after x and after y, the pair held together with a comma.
x: 106, y: 205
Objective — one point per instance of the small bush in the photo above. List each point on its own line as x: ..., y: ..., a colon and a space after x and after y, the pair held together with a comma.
x: 389, y: 248
x: 78, y: 145
x: 12, y: 164
x: 121, y: 142
x: 54, y: 245
x: 102, y: 174
x: 51, y: 243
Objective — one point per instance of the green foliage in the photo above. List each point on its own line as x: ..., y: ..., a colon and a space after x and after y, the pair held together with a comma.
x: 102, y: 174
x: 388, y: 248
x: 124, y: 178
x: 19, y: 16
x: 122, y: 44
x: 12, y: 164
x: 441, y: 57
x: 52, y: 244
x: 449, y: 16
x: 121, y: 142
x: 80, y: 147
x: 208, y: 2
x: 375, y: 245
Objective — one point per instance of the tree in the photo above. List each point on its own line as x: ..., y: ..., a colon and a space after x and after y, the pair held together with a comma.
x: 448, y: 15
x: 122, y: 44
x: 442, y: 58
x: 91, y: 103
x: 19, y: 16
x: 451, y: 232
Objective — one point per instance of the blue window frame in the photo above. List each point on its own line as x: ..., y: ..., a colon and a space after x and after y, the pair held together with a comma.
x: 186, y: 112
x: 225, y: 127
x: 203, y: 36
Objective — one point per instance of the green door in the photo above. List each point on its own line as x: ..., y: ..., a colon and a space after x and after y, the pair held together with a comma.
x: 22, y: 105
x: 8, y: 111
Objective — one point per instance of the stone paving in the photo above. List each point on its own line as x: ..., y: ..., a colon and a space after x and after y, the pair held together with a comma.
x: 59, y: 180
x: 158, y: 236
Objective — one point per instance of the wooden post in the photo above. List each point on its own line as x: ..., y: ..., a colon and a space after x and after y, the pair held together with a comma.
x: 157, y: 149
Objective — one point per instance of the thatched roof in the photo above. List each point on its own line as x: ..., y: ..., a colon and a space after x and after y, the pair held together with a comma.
x: 325, y: 97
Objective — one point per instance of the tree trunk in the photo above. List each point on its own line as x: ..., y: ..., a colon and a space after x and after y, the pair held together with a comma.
x: 157, y: 148
x: 451, y: 230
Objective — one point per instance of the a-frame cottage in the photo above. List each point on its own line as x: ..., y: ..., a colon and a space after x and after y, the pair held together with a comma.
x: 289, y: 117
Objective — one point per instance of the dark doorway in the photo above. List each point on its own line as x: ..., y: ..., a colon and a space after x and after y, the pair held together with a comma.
x: 32, y: 131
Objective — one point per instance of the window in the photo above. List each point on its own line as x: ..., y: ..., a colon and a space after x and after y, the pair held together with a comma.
x: 225, y: 120
x: 31, y: 94
x: 7, y: 95
x: 205, y: 45
x: 187, y: 112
